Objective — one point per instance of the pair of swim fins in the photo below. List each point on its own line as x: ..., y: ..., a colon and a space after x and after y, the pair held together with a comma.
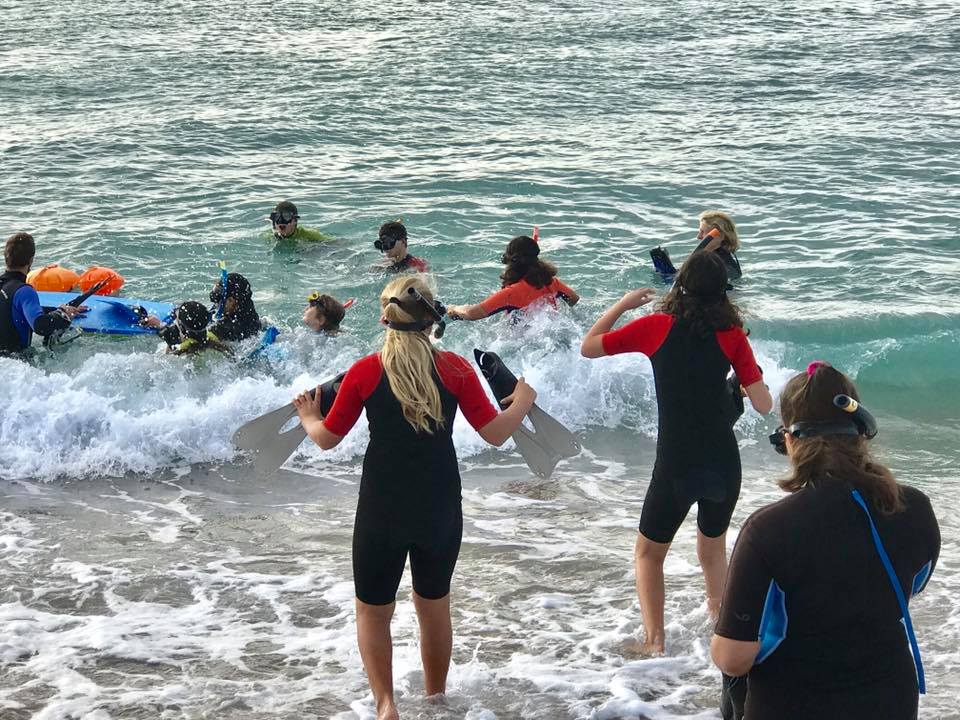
x: 542, y: 448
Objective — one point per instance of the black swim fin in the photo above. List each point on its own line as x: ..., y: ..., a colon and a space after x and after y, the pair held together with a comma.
x: 661, y: 261
x: 549, y: 442
x: 734, y: 399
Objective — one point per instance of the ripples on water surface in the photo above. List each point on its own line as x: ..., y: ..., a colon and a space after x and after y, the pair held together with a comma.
x: 154, y: 138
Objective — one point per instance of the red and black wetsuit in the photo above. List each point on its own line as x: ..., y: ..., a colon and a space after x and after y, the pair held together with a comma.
x: 697, y: 455
x: 521, y: 294
x: 410, y: 488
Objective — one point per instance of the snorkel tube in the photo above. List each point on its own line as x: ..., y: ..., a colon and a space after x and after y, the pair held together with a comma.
x: 435, y: 311
x: 862, y: 418
x: 223, y: 288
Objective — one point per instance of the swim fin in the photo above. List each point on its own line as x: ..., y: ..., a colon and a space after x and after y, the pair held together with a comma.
x: 262, y: 436
x: 661, y: 261
x: 549, y: 442
x: 268, y: 339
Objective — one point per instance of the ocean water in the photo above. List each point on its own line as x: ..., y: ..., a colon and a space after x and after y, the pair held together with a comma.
x: 147, y: 572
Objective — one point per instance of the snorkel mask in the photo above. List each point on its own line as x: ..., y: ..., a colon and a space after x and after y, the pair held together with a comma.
x: 385, y: 242
x: 416, y: 304
x: 861, y: 422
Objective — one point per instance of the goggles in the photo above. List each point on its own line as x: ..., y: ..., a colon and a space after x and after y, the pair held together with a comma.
x: 385, y: 242
x: 861, y: 422
x: 284, y: 217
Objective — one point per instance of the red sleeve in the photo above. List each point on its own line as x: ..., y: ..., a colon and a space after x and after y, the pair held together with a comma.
x: 419, y: 264
x: 358, y: 384
x: 461, y: 380
x: 507, y: 298
x: 645, y: 335
x: 737, y: 348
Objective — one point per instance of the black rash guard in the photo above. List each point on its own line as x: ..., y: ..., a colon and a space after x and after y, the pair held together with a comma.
x: 697, y: 455
x: 410, y: 487
x: 806, y: 580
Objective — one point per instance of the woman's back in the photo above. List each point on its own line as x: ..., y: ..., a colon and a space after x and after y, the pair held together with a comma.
x: 807, y: 577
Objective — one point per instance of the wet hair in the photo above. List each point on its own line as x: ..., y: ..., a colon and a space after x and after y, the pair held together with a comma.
x: 193, y: 319
x: 285, y: 205
x: 408, y: 359
x: 394, y: 230
x: 238, y: 287
x: 808, y: 397
x: 523, y: 263
x: 332, y: 310
x: 727, y: 227
x: 699, y: 295
x: 19, y: 250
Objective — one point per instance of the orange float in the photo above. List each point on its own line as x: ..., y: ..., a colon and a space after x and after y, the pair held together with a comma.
x: 53, y: 278
x: 93, y: 275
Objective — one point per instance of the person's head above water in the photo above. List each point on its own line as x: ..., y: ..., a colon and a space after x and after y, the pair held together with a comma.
x: 284, y: 218
x: 323, y: 313
x: 522, y: 258
x: 238, y: 296
x: 392, y: 240
x: 729, y: 240
x: 18, y: 252
x: 192, y: 319
x: 699, y: 295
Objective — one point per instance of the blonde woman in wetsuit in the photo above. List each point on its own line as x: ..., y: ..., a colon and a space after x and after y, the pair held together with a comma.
x: 692, y: 342
x: 410, y: 488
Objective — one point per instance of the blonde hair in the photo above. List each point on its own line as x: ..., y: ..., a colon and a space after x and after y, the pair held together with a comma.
x: 728, y: 228
x: 409, y: 360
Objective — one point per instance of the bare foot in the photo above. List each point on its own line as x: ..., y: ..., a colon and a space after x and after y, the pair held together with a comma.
x: 437, y: 699
x: 635, y: 648
x: 388, y: 711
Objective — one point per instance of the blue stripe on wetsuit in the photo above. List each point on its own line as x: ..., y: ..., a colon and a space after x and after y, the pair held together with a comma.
x: 920, y: 579
x: 773, y: 622
x: 898, y: 591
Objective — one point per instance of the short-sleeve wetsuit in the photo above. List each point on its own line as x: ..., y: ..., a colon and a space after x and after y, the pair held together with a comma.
x: 410, y: 488
x: 697, y: 455
x: 521, y: 294
x: 806, y: 570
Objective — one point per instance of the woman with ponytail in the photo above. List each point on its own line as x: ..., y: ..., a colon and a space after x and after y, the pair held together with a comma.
x: 410, y: 488
x: 815, y: 603
x: 692, y: 342
x: 526, y: 280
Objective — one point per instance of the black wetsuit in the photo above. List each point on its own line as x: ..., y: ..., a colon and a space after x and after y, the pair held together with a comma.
x: 734, y: 272
x: 807, y: 566
x: 238, y: 325
x: 410, y: 489
x: 698, y: 460
x: 21, y: 314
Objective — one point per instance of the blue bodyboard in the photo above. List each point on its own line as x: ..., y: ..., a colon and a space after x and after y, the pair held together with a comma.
x: 111, y: 315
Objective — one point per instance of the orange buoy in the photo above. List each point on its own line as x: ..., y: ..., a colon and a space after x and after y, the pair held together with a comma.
x: 93, y: 275
x: 53, y: 278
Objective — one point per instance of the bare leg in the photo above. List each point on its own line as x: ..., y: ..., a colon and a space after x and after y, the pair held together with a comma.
x: 648, y: 558
x: 376, y: 649
x: 712, y: 553
x: 436, y: 641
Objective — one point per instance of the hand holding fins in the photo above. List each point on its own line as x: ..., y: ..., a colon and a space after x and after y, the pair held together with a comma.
x: 550, y: 442
x: 262, y: 435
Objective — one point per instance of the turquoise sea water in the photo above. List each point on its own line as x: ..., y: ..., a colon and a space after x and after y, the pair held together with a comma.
x: 155, y: 137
